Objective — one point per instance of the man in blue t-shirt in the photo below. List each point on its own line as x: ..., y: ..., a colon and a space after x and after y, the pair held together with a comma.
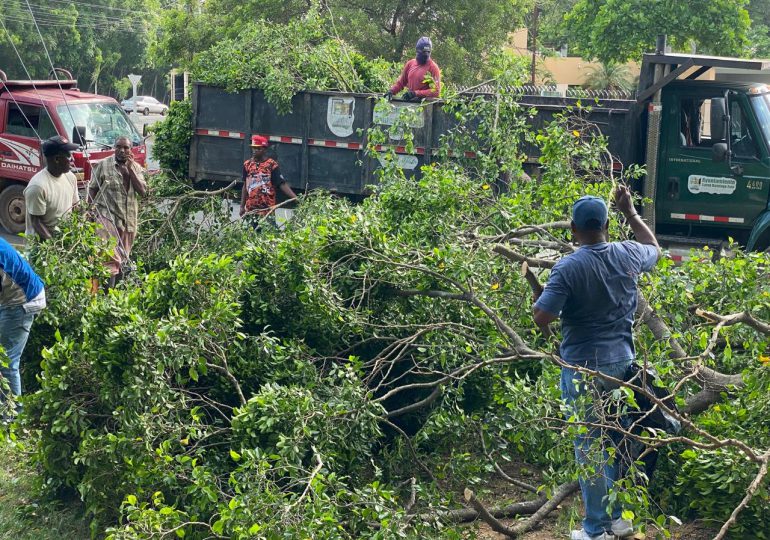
x: 593, y: 291
x: 22, y: 295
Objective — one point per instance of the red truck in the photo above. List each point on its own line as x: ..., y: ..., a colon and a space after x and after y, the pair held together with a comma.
x: 32, y: 111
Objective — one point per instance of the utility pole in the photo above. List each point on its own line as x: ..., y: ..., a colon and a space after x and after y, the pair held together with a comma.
x: 535, y: 13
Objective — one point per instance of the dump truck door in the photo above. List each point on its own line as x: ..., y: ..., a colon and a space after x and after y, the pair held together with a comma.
x: 695, y: 186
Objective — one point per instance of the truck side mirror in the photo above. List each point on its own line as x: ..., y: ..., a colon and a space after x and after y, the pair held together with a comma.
x: 719, y: 151
x: 145, y: 131
x: 717, y: 117
x: 79, y: 135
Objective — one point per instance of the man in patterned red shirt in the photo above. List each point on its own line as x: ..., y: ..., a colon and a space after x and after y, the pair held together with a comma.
x: 261, y: 180
x: 421, y: 76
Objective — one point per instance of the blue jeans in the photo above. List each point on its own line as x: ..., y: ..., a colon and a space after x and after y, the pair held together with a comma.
x: 14, y: 331
x: 595, y: 485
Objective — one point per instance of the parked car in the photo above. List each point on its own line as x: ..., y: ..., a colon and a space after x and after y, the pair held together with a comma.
x: 144, y: 105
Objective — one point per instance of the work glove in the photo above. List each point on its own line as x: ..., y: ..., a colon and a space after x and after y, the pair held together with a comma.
x: 388, y: 95
x: 410, y: 96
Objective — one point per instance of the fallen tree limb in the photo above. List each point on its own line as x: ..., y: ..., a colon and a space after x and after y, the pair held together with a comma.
x: 712, y: 381
x: 729, y: 320
x: 484, y: 514
x: 516, y: 257
x: 523, y: 527
x: 465, y: 515
x: 526, y: 230
x: 500, y: 471
x: 531, y: 279
x: 561, y: 493
x: 753, y: 487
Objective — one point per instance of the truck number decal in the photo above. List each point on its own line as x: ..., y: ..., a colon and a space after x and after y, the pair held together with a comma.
x: 754, y: 184
x: 715, y: 185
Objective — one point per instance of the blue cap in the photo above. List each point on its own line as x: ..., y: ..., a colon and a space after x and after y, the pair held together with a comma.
x: 424, y: 44
x: 589, y: 213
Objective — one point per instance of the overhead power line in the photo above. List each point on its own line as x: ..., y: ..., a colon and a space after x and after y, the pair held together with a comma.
x: 49, y: 13
x: 77, y: 3
x: 55, y: 21
x: 96, y: 26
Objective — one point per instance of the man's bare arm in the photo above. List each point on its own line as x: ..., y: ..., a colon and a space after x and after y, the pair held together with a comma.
x: 641, y: 231
x: 288, y: 191
x: 138, y: 183
x: 40, y: 227
x: 543, y: 319
x: 243, y: 199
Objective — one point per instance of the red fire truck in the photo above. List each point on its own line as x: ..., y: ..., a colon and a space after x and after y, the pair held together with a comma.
x: 32, y: 111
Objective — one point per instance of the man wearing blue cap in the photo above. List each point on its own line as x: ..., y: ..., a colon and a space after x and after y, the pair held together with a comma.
x: 593, y: 291
x: 421, y: 76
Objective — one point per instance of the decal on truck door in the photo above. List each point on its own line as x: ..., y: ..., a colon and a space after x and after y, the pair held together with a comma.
x: 18, y: 156
x: 715, y: 185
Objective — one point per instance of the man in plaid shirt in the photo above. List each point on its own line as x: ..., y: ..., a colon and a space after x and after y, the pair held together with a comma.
x: 116, y: 184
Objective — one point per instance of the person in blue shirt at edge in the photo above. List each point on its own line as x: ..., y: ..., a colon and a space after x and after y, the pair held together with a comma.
x: 22, y: 295
x: 594, y: 293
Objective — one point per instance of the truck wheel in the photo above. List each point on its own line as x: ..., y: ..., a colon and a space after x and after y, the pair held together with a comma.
x: 146, y: 111
x: 763, y: 243
x: 12, y: 208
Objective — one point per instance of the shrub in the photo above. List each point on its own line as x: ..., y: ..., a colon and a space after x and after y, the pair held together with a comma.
x: 172, y: 140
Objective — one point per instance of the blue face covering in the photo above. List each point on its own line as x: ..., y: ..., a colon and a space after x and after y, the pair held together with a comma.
x: 424, y: 48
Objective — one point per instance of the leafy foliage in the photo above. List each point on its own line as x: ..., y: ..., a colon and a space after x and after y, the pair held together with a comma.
x: 281, y: 60
x: 615, y: 77
x: 292, y: 383
x: 172, y: 139
x: 100, y: 42
x: 619, y: 30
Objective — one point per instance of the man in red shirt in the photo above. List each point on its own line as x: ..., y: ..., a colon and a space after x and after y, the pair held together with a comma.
x: 261, y: 180
x: 421, y: 75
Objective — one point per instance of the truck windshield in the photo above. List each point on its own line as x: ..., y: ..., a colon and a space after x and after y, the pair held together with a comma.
x: 761, y: 106
x: 103, y: 122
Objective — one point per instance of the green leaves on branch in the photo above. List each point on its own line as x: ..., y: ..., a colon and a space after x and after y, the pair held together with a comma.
x: 282, y: 60
x: 621, y: 30
x: 172, y: 140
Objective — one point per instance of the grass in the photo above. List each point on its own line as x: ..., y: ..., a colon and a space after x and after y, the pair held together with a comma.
x: 23, y: 514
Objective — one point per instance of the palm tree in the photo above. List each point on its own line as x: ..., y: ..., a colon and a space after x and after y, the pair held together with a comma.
x: 609, y: 76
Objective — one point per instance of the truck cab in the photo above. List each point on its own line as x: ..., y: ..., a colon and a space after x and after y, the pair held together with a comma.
x: 714, y: 161
x: 32, y: 111
x: 707, y: 151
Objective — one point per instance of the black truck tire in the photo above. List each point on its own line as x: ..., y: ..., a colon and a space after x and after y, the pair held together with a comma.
x: 146, y: 111
x: 12, y: 208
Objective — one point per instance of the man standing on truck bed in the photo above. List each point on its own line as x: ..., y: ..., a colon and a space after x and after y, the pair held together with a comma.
x: 116, y: 184
x: 53, y: 191
x: 261, y: 178
x: 421, y: 75
x: 594, y: 291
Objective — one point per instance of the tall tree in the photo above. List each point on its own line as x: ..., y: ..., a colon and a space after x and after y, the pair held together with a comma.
x: 99, y: 42
x: 462, y: 32
x: 619, y: 30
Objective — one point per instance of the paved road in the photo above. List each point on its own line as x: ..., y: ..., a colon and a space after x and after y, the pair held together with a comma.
x: 139, y: 121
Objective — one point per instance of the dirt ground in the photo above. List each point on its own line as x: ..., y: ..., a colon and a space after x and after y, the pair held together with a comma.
x: 559, y: 523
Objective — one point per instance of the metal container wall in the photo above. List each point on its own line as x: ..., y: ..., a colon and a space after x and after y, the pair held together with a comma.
x: 321, y: 142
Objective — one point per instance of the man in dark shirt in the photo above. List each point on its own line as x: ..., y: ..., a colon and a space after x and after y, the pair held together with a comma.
x: 594, y: 292
x: 261, y: 179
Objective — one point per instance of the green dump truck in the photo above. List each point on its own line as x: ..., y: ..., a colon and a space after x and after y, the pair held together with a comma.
x: 706, y: 143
